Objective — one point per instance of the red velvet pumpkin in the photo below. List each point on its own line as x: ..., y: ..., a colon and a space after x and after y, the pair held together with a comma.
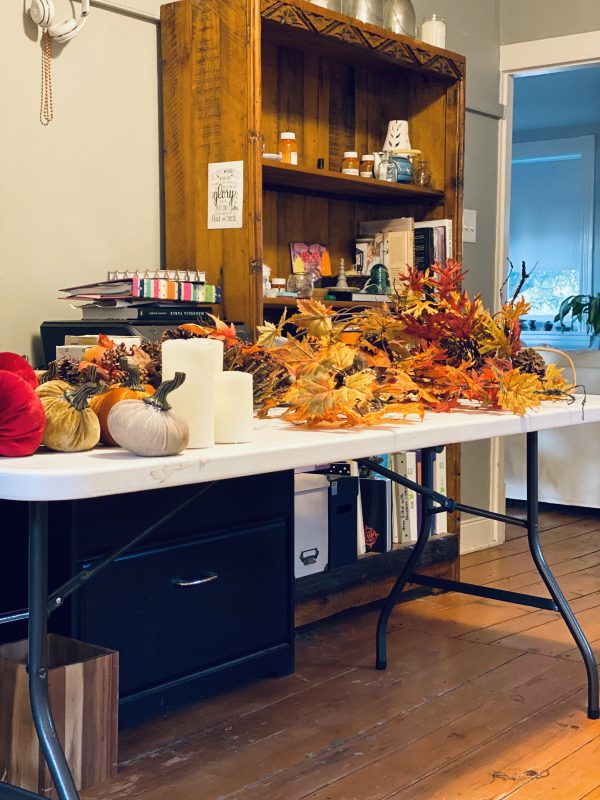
x: 22, y: 417
x: 11, y: 362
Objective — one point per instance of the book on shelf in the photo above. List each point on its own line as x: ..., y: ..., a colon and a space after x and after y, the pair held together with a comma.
x: 404, y: 500
x: 394, y: 238
x: 165, y: 312
x: 440, y: 485
x: 424, y: 248
x: 442, y: 241
x: 376, y: 501
x: 158, y: 285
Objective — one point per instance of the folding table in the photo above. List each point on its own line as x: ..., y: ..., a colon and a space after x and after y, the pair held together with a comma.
x: 48, y: 477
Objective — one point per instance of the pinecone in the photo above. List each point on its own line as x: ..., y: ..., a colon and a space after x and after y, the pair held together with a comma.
x: 459, y: 350
x: 528, y: 360
x: 177, y: 333
x: 67, y: 369
x: 110, y: 362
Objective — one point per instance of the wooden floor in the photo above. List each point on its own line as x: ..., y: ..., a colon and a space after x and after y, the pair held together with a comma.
x: 482, y: 700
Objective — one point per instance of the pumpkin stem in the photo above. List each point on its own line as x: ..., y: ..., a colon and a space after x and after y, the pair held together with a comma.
x: 90, y: 373
x: 132, y: 380
x: 50, y: 373
x: 79, y: 397
x: 159, y: 398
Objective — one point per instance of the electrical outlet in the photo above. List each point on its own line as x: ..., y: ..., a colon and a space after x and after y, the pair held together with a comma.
x: 469, y: 232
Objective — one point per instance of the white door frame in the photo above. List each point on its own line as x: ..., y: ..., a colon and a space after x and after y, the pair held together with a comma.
x: 534, y: 56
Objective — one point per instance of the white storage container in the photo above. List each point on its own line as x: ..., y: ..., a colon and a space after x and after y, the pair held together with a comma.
x: 311, y: 549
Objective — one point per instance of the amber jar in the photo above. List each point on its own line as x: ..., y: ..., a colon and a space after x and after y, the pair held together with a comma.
x: 288, y: 149
x: 350, y: 163
x: 366, y: 166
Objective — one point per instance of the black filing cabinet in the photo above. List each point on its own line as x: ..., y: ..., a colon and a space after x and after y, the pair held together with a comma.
x: 205, y: 603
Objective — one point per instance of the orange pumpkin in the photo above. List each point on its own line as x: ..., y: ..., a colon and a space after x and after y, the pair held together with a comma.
x: 131, y: 389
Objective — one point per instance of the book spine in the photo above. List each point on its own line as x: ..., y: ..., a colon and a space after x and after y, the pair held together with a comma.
x: 135, y: 287
x: 170, y: 314
x: 440, y: 485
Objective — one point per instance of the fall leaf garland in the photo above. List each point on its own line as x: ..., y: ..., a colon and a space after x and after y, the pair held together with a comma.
x: 430, y: 348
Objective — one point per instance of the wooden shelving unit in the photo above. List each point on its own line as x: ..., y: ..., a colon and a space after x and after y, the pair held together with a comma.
x: 325, y: 183
x: 236, y: 74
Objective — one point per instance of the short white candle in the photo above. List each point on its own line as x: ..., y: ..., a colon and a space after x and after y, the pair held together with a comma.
x: 195, y: 399
x: 433, y: 31
x: 234, y: 407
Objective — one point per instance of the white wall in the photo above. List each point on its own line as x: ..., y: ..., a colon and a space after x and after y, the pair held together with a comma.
x: 527, y: 20
x: 82, y: 195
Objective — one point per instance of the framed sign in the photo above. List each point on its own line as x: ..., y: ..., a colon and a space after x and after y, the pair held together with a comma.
x: 225, y: 194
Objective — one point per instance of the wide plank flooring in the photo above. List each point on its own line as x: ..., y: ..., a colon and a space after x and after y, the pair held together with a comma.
x: 481, y: 700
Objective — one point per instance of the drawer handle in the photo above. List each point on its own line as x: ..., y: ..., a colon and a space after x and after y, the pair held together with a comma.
x: 209, y: 577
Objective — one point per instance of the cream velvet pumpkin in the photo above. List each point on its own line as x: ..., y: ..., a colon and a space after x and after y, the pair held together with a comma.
x: 149, y: 427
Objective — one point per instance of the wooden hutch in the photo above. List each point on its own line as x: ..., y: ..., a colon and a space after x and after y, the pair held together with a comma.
x: 238, y: 72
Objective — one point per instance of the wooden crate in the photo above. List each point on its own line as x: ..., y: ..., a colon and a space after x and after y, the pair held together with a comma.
x: 83, y: 684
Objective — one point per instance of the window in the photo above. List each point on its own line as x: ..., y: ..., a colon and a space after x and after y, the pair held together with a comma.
x: 551, y: 220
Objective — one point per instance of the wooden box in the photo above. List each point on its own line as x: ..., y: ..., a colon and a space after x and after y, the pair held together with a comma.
x: 83, y: 683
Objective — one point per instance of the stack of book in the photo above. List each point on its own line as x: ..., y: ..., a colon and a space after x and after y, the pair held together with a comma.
x: 160, y: 295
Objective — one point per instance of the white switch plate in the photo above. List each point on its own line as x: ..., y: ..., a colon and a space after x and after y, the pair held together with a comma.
x: 469, y: 225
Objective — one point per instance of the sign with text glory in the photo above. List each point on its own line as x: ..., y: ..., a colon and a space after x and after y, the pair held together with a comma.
x: 225, y: 194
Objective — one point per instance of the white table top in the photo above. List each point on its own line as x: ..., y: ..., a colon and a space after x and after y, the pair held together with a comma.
x: 277, y: 446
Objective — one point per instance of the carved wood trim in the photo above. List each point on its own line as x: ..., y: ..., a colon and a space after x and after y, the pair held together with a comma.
x: 401, y: 49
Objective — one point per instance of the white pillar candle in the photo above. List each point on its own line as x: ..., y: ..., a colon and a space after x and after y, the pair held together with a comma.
x: 195, y: 399
x: 234, y: 407
x: 218, y: 349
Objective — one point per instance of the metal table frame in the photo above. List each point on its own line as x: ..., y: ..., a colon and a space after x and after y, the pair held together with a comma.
x: 41, y: 605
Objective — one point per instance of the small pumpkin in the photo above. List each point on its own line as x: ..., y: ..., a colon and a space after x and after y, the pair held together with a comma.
x: 22, y: 417
x: 71, y: 425
x: 130, y: 389
x: 97, y: 352
x: 149, y: 427
x: 11, y: 362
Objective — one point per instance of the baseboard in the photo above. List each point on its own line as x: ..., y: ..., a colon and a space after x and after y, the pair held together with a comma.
x: 478, y: 534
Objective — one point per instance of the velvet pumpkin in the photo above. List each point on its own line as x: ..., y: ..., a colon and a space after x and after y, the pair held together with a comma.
x: 71, y: 425
x: 22, y: 417
x: 130, y: 389
x: 149, y: 427
x: 11, y: 362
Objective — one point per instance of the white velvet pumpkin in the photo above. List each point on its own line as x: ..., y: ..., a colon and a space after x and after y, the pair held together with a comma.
x: 149, y: 427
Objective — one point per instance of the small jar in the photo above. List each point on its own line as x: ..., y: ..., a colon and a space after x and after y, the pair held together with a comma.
x: 301, y: 283
x: 366, y: 166
x: 278, y: 286
x: 288, y: 149
x: 422, y: 173
x: 350, y: 163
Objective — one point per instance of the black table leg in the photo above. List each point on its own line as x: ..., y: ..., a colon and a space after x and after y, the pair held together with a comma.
x: 427, y: 460
x: 540, y: 562
x: 38, y: 653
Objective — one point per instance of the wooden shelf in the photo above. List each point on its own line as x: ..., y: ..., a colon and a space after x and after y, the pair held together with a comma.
x: 304, y: 180
x: 284, y: 302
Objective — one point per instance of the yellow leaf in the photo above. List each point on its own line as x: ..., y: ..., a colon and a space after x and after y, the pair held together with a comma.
x: 298, y: 355
x: 269, y: 332
x: 496, y: 341
x: 519, y: 391
x: 314, y: 317
x: 554, y: 380
x: 357, y: 388
x: 315, y: 393
x: 339, y: 356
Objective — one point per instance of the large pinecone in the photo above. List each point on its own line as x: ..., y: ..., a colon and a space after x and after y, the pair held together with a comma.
x: 460, y: 349
x: 528, y: 360
x: 178, y: 333
x: 67, y: 369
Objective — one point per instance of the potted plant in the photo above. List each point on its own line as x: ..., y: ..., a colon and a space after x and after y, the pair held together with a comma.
x: 585, y: 308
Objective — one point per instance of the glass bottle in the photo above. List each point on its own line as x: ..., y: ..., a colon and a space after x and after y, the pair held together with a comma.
x: 385, y: 168
x: 422, y: 173
x: 301, y: 283
x: 399, y: 17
